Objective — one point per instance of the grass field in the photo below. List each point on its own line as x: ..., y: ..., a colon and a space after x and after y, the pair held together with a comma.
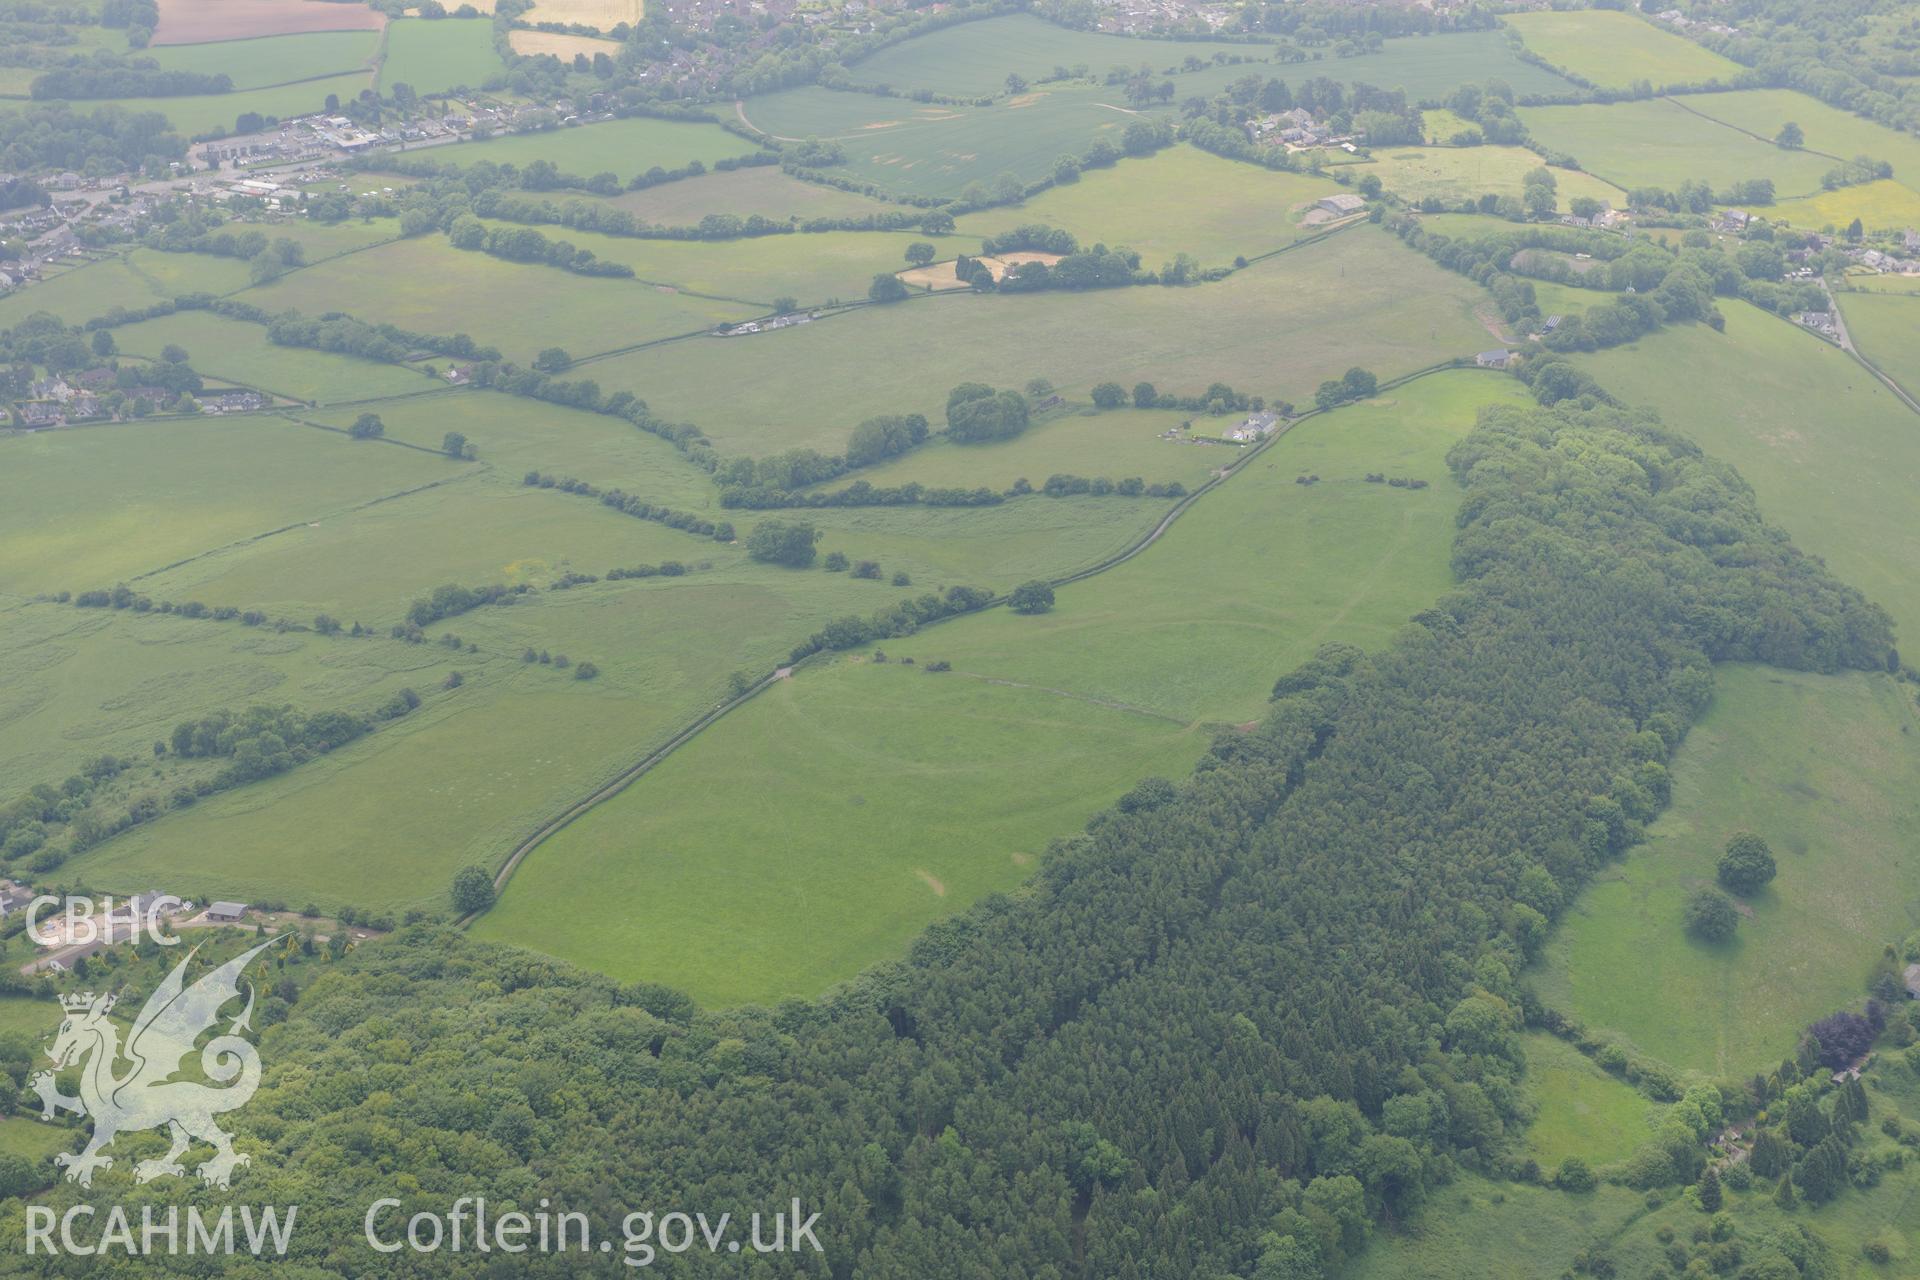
x: 1886, y: 329
x: 198, y: 21
x: 1826, y: 769
x: 1614, y: 49
x: 624, y: 148
x: 604, y: 15
x: 762, y: 189
x: 1871, y: 282
x: 78, y: 293
x: 1828, y: 129
x: 1885, y: 205
x: 1833, y: 456
x: 1580, y: 1110
x: 274, y: 60
x: 236, y: 351
x: 1181, y: 200
x: 212, y: 113
x: 429, y: 285
x: 1276, y: 329
x: 1658, y: 142
x: 437, y: 54
x: 1429, y: 66
x: 1117, y: 682
x: 564, y: 47
x: 1463, y: 173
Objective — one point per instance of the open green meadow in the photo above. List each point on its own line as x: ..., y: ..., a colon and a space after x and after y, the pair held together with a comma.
x: 1883, y: 205
x: 1121, y: 679
x: 79, y: 293
x: 1180, y: 200
x: 1886, y: 329
x: 1614, y: 49
x: 1276, y: 329
x: 1831, y: 453
x: 236, y: 351
x: 1430, y: 67
x: 1659, y: 142
x: 198, y: 115
x: 274, y: 60
x: 1580, y: 1110
x: 1826, y: 769
x: 1828, y: 129
x: 1872, y: 282
x: 1464, y: 173
x: 761, y: 189
x: 429, y: 286
x: 625, y: 148
x: 438, y: 54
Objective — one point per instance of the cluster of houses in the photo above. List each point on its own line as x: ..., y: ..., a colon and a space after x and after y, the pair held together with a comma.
x: 765, y: 326
x: 1257, y: 426
x: 85, y: 397
x: 1296, y: 130
x: 1821, y: 322
x: 1679, y: 20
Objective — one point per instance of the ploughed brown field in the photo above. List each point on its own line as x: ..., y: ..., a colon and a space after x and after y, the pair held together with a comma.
x: 201, y: 21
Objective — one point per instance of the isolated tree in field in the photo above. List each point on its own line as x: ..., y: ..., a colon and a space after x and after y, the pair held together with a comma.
x: 1710, y: 916
x: 1791, y: 135
x: 920, y: 253
x: 553, y: 360
x: 1574, y: 1175
x: 977, y: 413
x: 1039, y: 388
x: 173, y: 353
x: 472, y: 890
x: 1370, y: 186
x: 1109, y: 395
x: 1747, y: 865
x: 784, y: 303
x: 1359, y: 384
x: 1145, y: 395
x: 456, y: 445
x: 1016, y: 83
x: 886, y: 287
x: 367, y: 427
x: 1031, y: 597
x: 783, y: 542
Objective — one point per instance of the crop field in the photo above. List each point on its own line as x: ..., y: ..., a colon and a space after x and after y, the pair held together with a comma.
x: 603, y: 15
x: 429, y: 285
x: 1180, y: 200
x: 1826, y: 769
x: 1111, y: 685
x: 624, y: 148
x: 198, y: 114
x: 1660, y: 143
x: 1831, y: 453
x: 1276, y: 329
x: 1580, y: 1109
x: 435, y: 55
x: 1464, y: 173
x: 78, y: 294
x: 559, y: 45
x: 1614, y: 49
x: 1886, y: 328
x: 199, y: 21
x: 1884, y: 205
x: 272, y: 60
x: 1837, y: 133
x: 761, y: 189
x: 239, y: 352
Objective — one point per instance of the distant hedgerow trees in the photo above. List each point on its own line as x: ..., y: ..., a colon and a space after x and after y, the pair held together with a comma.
x: 783, y: 542
x: 367, y: 426
x: 472, y: 890
x: 976, y: 414
x: 1031, y: 597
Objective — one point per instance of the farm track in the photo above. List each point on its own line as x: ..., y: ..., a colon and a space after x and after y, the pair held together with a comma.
x: 626, y: 777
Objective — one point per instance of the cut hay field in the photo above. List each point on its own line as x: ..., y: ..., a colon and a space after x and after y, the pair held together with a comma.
x: 199, y: 21
x: 1613, y: 49
x: 1885, y: 205
x: 602, y: 15
x: 851, y: 754
x: 625, y: 148
x: 1828, y: 129
x: 435, y: 55
x: 973, y: 59
x: 761, y: 189
x: 429, y: 285
x: 1180, y: 200
x: 1464, y: 173
x: 273, y: 60
x: 236, y: 351
x: 1580, y: 1110
x: 557, y: 44
x: 1827, y: 770
x: 1886, y: 329
x: 1276, y: 329
x: 1832, y: 455
x: 1660, y: 143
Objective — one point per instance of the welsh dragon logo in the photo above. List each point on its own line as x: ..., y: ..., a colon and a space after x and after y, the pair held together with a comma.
x: 147, y: 1096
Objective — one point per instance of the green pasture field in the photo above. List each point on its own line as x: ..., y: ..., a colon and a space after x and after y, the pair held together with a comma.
x: 761, y: 189
x: 1828, y: 129
x: 435, y: 55
x: 430, y: 286
x: 212, y: 113
x: 1885, y: 205
x: 79, y: 293
x: 972, y: 59
x: 1658, y: 142
x: 1614, y: 49
x: 274, y: 60
x: 935, y: 150
x: 1826, y: 769
x: 1886, y: 329
x: 169, y: 275
x: 1439, y: 124
x: 1478, y: 1229
x: 1464, y: 173
x: 513, y: 436
x: 814, y: 268
x: 1580, y: 1110
x: 180, y: 487
x: 1084, y: 442
x: 622, y: 147
x: 1905, y: 286
x: 1180, y: 200
x: 1121, y: 679
x: 237, y: 351
x: 1833, y: 456
x: 1276, y: 329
